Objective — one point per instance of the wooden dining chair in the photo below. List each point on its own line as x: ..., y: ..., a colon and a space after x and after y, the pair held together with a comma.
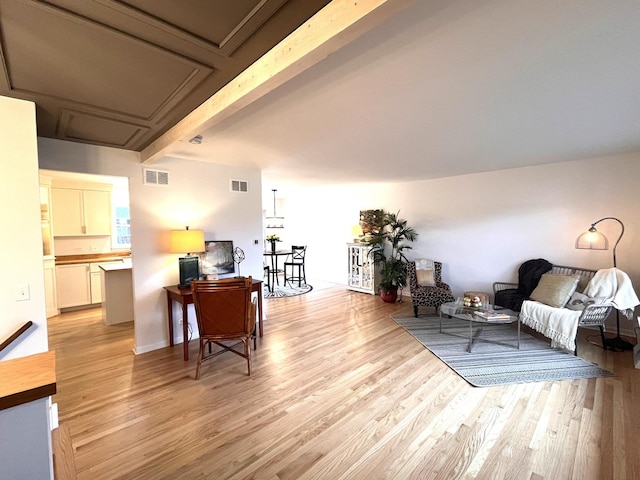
x: 225, y: 313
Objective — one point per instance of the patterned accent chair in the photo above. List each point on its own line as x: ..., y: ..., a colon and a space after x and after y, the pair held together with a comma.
x: 428, y: 295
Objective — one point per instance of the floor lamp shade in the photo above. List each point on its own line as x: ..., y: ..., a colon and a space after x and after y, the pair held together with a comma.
x: 187, y: 241
x: 592, y: 240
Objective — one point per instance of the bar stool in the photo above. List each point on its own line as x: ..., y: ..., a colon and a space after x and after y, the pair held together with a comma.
x: 270, y: 274
x: 296, y: 261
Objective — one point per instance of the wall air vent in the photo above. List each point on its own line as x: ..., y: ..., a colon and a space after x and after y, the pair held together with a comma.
x: 239, y: 186
x: 155, y: 177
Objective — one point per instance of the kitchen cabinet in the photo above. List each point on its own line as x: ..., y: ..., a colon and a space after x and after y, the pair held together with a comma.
x: 73, y: 285
x: 51, y: 300
x: 45, y: 215
x: 96, y: 283
x: 96, y: 279
x: 79, y: 284
x: 81, y: 211
x: 363, y: 274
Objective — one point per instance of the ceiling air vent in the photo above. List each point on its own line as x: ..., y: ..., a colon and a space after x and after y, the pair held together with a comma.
x: 239, y: 186
x: 156, y: 177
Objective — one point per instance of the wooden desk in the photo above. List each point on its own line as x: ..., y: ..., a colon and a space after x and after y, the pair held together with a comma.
x: 184, y: 297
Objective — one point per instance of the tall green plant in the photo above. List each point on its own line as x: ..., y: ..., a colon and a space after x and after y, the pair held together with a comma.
x: 388, y: 248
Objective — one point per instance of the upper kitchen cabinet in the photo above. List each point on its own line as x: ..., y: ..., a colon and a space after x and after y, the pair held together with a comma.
x: 81, y: 209
x: 45, y: 216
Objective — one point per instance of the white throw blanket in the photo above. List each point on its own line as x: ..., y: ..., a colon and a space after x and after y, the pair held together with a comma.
x: 558, y: 324
x: 615, y: 286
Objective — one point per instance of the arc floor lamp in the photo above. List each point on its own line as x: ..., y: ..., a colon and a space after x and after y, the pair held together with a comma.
x: 592, y: 239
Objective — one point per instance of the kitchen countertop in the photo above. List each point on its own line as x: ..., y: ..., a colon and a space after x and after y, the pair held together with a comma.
x: 111, y: 267
x: 92, y: 258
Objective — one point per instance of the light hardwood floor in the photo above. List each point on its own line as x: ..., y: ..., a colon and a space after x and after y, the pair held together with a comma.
x: 338, y: 391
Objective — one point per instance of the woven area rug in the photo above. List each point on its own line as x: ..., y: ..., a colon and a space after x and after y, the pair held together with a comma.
x: 288, y: 290
x: 495, y: 359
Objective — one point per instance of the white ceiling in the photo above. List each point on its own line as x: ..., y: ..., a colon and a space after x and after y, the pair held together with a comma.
x: 447, y: 88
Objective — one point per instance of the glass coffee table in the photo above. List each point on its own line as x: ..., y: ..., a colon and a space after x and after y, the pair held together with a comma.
x: 473, y: 315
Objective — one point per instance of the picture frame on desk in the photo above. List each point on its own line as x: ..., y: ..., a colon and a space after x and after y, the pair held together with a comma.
x: 217, y: 258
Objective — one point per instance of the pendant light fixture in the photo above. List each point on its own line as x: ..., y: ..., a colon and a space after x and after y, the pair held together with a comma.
x: 275, y: 221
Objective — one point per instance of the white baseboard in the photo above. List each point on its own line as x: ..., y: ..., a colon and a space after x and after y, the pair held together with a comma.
x: 138, y: 350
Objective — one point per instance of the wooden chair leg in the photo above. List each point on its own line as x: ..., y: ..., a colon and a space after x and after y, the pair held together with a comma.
x: 199, y: 359
x: 247, y: 352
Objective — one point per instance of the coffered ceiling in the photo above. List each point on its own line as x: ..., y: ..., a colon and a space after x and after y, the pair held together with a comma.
x: 365, y: 91
x: 120, y: 73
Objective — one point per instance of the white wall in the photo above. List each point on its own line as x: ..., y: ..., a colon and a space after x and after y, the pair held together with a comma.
x: 199, y: 196
x: 483, y: 226
x: 24, y: 430
x: 21, y: 240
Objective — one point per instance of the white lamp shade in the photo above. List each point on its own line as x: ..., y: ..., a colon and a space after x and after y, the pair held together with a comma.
x: 187, y: 241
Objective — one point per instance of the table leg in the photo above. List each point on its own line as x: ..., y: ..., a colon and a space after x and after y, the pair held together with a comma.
x: 276, y: 270
x: 518, y: 332
x: 260, y: 317
x: 470, y: 335
x: 170, y: 318
x: 185, y: 331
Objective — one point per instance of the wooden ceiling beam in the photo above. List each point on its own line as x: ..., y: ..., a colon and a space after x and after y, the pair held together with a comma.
x: 333, y: 27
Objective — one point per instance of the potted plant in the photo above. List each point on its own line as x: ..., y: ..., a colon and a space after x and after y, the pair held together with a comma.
x: 388, y: 246
x: 272, y: 239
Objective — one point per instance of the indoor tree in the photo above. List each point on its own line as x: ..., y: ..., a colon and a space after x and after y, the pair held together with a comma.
x: 387, y: 251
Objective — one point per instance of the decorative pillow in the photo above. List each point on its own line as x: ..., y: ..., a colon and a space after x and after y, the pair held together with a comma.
x: 426, y: 278
x: 424, y: 264
x: 578, y: 301
x: 554, y: 290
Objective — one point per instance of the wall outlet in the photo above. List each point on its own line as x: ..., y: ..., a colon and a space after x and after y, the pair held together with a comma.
x: 256, y: 241
x: 93, y: 248
x: 22, y: 292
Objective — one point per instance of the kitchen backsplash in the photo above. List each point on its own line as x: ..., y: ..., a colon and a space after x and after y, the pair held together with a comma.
x: 81, y: 245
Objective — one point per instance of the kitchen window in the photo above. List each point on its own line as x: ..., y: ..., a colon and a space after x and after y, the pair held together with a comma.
x: 121, y: 229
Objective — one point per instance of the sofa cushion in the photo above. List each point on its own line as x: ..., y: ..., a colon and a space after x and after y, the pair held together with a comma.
x: 426, y: 278
x: 554, y: 290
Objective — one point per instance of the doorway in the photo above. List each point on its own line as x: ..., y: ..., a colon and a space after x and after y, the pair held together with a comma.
x: 67, y: 254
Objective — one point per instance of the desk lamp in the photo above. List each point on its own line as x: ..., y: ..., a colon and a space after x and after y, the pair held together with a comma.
x: 187, y: 241
x: 592, y: 239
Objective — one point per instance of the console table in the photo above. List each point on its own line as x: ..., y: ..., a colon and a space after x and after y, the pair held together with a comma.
x: 184, y: 297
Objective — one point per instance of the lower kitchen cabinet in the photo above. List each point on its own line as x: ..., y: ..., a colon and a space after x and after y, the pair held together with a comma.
x: 73, y: 284
x: 50, y: 287
x: 96, y: 283
x: 79, y: 284
x: 96, y: 279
